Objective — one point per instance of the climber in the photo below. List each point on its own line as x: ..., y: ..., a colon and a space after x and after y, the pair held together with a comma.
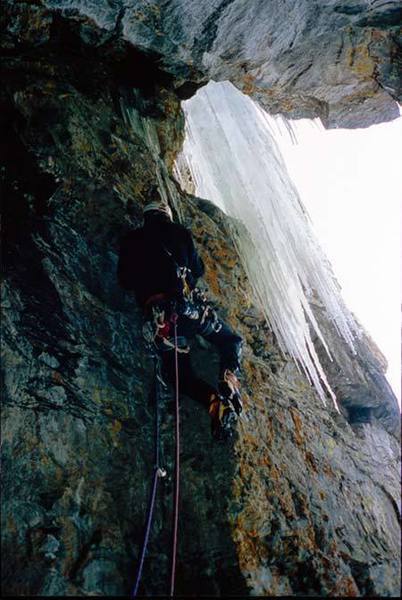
x: 160, y: 264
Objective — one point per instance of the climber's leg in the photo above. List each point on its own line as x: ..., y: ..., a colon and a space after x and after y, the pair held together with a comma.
x: 229, y: 346
x: 225, y: 404
x: 222, y: 416
x: 189, y: 383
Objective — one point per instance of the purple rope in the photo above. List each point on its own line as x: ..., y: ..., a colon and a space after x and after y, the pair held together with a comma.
x: 177, y: 465
x: 154, y: 483
x: 147, y: 532
x: 157, y: 475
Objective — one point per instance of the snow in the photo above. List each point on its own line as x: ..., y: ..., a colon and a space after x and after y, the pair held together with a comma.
x: 235, y: 162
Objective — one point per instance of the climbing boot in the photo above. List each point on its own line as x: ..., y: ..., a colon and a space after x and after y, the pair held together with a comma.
x: 229, y: 389
x: 223, y: 418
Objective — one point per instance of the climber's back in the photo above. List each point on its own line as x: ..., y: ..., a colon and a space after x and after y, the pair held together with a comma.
x: 150, y: 256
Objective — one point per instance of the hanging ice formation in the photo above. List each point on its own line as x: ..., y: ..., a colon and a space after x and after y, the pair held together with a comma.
x: 146, y: 127
x: 234, y: 162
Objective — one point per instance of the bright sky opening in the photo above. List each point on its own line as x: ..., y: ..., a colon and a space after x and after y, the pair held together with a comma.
x: 350, y: 183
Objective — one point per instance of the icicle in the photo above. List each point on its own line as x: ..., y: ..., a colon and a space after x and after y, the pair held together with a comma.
x: 146, y: 126
x: 236, y: 164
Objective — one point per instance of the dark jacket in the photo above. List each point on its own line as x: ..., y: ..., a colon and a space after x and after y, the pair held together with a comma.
x: 149, y: 257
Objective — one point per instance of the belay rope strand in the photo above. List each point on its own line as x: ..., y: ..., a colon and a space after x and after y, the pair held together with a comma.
x: 177, y: 461
x: 159, y: 472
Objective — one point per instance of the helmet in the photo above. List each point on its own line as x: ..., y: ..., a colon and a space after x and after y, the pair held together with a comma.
x: 160, y: 206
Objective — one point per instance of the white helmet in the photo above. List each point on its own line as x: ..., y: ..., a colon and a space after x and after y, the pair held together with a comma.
x: 160, y: 206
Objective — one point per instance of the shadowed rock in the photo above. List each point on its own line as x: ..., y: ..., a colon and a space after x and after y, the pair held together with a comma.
x: 304, y: 503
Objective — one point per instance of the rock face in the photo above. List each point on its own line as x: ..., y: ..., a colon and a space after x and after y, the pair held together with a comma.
x: 337, y: 60
x: 357, y: 379
x: 304, y: 503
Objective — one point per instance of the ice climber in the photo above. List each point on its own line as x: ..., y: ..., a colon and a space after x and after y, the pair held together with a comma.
x: 160, y: 264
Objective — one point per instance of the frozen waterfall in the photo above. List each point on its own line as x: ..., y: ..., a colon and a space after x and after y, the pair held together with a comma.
x: 234, y: 162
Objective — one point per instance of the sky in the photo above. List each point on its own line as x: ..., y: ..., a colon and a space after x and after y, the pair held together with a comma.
x: 350, y: 182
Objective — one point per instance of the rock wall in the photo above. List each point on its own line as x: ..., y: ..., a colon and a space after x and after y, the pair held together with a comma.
x: 334, y: 59
x: 303, y: 503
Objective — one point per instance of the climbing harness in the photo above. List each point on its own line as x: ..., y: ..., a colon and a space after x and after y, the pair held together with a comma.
x: 155, y: 331
x: 157, y: 328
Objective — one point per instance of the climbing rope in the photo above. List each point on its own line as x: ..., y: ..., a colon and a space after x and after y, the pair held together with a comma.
x: 158, y: 473
x: 177, y: 462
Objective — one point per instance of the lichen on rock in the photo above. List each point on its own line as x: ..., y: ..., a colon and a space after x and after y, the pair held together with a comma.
x: 304, y: 503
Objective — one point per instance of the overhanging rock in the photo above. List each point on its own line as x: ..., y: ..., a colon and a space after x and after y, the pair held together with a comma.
x: 332, y: 59
x: 305, y: 505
